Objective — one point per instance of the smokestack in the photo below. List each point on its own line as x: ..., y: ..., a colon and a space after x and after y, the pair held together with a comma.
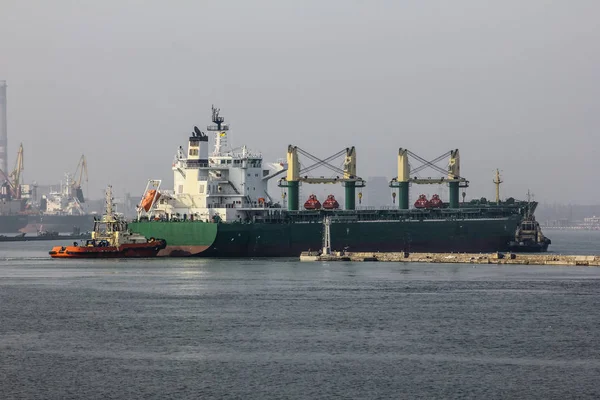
x: 3, y: 134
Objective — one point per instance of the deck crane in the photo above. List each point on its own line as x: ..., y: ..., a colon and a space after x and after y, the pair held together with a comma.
x: 14, y: 178
x: 452, y: 178
x: 346, y: 175
x: 81, y: 170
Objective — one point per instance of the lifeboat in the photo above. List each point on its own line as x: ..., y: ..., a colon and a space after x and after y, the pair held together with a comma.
x: 312, y: 203
x: 150, y: 197
x: 331, y: 203
x: 435, y: 201
x: 422, y: 202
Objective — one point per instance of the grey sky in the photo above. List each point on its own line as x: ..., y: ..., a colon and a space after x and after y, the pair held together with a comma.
x: 512, y: 84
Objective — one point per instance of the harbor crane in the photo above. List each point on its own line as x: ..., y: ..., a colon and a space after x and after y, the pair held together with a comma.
x: 13, y: 179
x: 78, y: 179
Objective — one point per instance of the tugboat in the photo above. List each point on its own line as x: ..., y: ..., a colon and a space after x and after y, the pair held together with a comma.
x: 111, y: 239
x: 528, y: 236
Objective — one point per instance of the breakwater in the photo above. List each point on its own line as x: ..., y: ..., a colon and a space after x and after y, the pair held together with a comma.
x: 462, y: 258
x: 24, y: 238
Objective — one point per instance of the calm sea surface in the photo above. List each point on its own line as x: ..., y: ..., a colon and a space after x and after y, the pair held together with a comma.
x: 277, y: 329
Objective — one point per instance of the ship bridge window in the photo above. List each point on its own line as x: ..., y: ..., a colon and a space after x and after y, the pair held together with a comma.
x: 228, y: 161
x: 236, y: 162
x: 193, y: 152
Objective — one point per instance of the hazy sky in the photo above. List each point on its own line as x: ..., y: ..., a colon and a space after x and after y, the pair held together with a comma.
x: 513, y: 84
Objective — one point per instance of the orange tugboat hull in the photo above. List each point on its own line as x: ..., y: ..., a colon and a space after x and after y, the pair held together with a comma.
x: 133, y: 250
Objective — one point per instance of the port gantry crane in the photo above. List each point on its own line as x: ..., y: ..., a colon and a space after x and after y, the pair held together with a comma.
x: 14, y: 178
x: 453, y: 178
x: 77, y: 181
x: 295, y: 175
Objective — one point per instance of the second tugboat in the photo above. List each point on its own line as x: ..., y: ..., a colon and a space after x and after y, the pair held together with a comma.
x: 111, y: 238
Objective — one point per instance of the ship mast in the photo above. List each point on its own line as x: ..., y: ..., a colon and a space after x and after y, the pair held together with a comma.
x: 529, y: 196
x: 220, y: 128
x: 497, y: 181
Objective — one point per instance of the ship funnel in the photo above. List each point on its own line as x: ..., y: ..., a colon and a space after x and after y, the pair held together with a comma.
x: 198, y: 146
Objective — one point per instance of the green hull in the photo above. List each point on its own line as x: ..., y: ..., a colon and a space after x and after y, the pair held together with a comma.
x: 264, y: 239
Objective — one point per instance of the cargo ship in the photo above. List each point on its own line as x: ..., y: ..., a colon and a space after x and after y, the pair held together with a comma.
x: 12, y: 223
x: 61, y: 210
x: 220, y: 207
x: 15, y: 198
x: 12, y: 216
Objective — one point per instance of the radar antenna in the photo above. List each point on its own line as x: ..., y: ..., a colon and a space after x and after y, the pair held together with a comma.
x: 198, y: 132
x: 220, y: 121
x: 220, y: 130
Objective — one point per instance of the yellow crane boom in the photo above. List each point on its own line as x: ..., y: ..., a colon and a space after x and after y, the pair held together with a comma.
x: 14, y: 178
x: 80, y: 171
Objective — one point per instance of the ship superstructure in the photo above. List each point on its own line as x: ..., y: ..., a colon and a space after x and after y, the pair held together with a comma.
x: 227, y: 185
x: 62, y: 210
x: 63, y: 201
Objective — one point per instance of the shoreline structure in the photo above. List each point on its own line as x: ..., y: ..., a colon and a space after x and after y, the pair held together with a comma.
x: 457, y: 258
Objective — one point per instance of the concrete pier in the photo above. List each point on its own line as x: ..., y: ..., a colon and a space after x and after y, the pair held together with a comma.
x: 463, y: 258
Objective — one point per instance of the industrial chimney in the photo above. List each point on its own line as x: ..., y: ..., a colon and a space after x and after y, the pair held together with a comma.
x: 3, y: 135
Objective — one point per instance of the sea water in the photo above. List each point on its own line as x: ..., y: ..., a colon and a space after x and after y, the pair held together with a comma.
x: 278, y: 328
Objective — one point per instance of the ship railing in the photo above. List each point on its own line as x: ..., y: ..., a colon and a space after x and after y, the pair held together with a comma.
x: 196, y: 163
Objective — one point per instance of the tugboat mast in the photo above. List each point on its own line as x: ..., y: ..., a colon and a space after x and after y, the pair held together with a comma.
x: 109, y: 203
